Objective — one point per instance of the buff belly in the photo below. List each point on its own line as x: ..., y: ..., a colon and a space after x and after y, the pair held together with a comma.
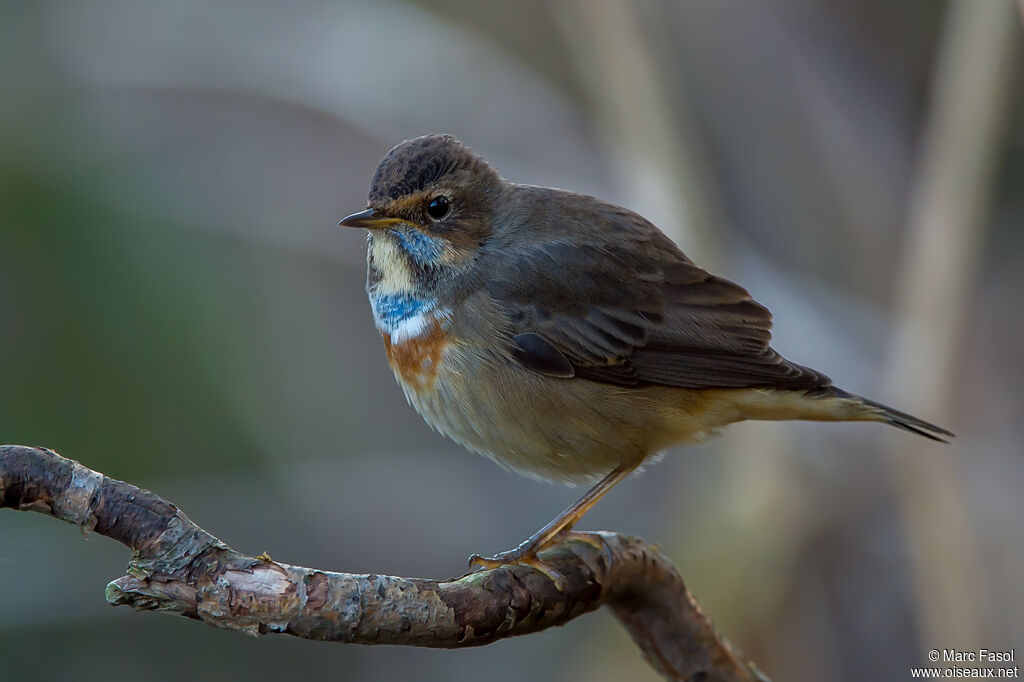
x: 554, y: 429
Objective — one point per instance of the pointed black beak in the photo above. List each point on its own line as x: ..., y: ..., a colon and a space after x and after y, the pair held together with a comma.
x: 371, y: 219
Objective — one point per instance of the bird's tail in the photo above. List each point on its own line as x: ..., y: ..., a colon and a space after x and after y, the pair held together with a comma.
x: 862, y: 409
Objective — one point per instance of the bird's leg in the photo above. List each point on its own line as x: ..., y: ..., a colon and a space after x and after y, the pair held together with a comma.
x: 526, y: 553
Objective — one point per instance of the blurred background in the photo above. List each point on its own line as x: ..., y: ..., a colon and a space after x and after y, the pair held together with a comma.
x: 178, y: 309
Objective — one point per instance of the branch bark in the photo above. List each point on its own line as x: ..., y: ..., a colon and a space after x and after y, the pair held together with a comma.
x: 177, y: 567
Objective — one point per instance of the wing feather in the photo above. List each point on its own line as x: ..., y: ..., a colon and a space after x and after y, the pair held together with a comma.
x: 621, y: 304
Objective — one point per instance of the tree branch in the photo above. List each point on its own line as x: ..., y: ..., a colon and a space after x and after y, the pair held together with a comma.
x: 179, y: 568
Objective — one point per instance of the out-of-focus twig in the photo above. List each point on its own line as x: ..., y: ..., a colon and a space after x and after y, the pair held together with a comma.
x: 947, y: 222
x: 177, y: 567
x: 657, y: 156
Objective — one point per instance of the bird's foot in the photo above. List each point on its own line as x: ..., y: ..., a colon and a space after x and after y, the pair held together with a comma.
x: 526, y: 554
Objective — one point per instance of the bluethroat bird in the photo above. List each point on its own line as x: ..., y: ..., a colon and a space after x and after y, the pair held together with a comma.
x: 562, y: 336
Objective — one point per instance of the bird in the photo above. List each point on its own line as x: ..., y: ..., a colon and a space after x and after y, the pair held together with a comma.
x: 565, y: 337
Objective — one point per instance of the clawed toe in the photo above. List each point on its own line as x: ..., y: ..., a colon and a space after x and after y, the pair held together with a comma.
x: 490, y: 563
x: 514, y: 557
x: 554, y: 576
x: 592, y: 539
x: 526, y: 555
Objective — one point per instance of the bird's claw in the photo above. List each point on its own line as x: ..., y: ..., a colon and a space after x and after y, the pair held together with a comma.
x: 488, y: 563
x: 592, y: 539
x: 520, y: 555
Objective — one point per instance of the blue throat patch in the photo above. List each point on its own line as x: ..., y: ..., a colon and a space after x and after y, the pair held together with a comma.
x: 390, y: 310
x: 423, y: 248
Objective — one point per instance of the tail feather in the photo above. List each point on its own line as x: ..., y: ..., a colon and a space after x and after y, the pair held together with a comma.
x: 884, y: 413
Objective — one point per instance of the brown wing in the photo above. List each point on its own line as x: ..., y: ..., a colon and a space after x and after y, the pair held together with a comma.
x: 626, y: 307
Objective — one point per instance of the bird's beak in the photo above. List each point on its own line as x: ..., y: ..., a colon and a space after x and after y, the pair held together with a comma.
x: 371, y: 219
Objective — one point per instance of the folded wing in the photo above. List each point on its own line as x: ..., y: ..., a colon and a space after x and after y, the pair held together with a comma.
x: 626, y: 307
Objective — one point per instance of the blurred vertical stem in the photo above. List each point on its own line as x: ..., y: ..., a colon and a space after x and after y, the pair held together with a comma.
x: 658, y: 158
x: 656, y: 152
x: 946, y: 227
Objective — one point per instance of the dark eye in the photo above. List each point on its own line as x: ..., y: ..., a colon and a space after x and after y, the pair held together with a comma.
x: 437, y: 208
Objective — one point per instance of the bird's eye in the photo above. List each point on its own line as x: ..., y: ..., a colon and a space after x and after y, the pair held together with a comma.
x: 437, y: 208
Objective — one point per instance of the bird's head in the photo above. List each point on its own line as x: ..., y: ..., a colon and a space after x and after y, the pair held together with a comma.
x: 430, y: 207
